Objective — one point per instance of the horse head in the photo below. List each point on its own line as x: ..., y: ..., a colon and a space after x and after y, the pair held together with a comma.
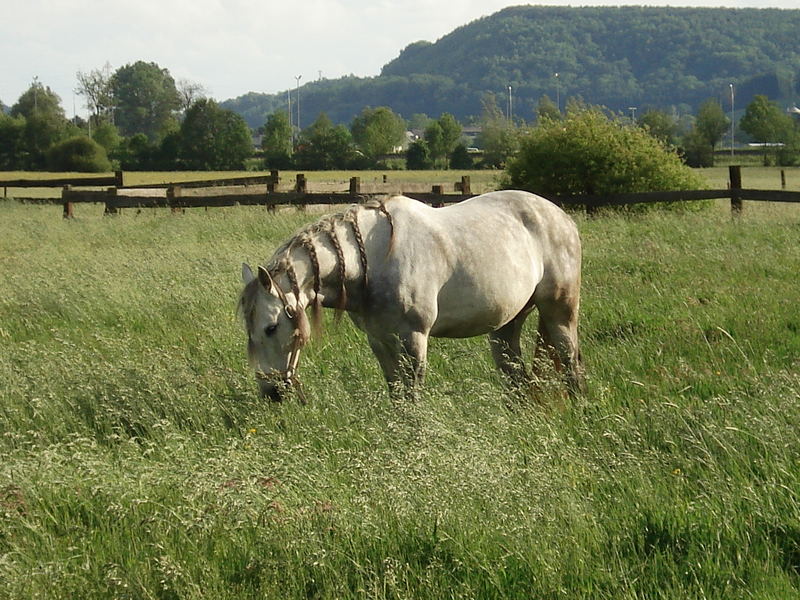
x: 277, y: 328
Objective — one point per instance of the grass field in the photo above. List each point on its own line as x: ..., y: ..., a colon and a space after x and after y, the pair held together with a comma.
x: 139, y: 463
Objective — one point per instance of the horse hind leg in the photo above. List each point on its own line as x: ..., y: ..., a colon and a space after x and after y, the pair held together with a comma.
x: 507, y: 354
x: 558, y: 337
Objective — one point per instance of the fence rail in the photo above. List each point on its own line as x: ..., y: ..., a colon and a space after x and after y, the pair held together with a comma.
x: 115, y: 180
x: 174, y: 198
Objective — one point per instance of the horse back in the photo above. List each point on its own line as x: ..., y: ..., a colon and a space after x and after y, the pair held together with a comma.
x: 471, y: 267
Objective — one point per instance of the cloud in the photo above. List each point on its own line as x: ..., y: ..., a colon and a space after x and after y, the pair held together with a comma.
x: 230, y: 46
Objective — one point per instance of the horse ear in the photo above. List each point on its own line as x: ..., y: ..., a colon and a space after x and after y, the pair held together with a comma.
x: 265, y: 278
x: 247, y: 274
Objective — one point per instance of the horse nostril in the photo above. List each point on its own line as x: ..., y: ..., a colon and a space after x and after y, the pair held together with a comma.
x: 271, y: 392
x: 275, y: 395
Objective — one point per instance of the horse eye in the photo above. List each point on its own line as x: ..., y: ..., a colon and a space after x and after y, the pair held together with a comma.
x: 270, y: 329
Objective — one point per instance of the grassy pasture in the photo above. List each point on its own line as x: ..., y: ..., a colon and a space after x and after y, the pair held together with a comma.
x: 138, y: 463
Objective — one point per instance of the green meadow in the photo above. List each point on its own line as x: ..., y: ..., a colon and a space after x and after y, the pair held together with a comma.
x: 138, y: 462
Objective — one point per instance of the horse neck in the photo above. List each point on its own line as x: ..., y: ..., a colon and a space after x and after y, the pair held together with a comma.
x: 329, y: 265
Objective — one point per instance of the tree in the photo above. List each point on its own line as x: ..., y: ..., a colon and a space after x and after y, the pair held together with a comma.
x: 45, y: 123
x: 767, y: 124
x: 711, y: 122
x: 39, y: 100
x: 79, y: 153
x: 377, y: 131
x: 499, y: 138
x: 460, y: 158
x: 277, y: 141
x: 12, y: 143
x: 418, y: 156
x: 697, y: 152
x: 547, y: 109
x: 95, y: 86
x: 213, y: 138
x: 146, y: 99
x: 323, y: 146
x: 418, y: 122
x: 189, y: 92
x: 107, y: 136
x: 660, y: 125
x: 434, y: 138
x: 442, y: 136
x: 451, y: 131
x: 588, y: 153
x: 136, y: 153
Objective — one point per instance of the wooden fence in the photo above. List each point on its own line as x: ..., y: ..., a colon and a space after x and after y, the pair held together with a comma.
x: 120, y: 196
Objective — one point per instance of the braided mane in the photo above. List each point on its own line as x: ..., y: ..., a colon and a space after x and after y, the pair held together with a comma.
x: 281, y: 263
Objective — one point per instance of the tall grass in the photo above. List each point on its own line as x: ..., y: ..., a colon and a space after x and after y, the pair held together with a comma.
x: 138, y: 462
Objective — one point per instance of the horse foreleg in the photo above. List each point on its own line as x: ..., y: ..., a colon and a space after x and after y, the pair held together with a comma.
x: 412, y: 360
x: 403, y: 360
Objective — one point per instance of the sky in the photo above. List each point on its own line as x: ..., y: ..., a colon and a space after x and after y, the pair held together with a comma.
x: 232, y: 47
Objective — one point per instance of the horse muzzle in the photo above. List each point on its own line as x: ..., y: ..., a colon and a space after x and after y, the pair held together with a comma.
x: 273, y: 387
x: 270, y: 391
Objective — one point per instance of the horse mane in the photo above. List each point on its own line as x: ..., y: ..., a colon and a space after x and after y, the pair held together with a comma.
x: 281, y: 262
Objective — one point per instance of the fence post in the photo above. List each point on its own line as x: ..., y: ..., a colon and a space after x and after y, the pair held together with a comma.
x: 118, y: 177
x: 271, y: 190
x: 355, y: 186
x: 735, y: 174
x: 439, y: 191
x: 301, y: 187
x: 68, y: 206
x: 173, y: 198
x: 783, y: 179
x: 111, y: 194
x: 466, y: 187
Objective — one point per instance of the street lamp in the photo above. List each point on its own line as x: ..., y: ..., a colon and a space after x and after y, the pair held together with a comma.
x: 510, y: 111
x: 297, y: 100
x: 558, y: 94
x: 633, y: 113
x: 732, y: 120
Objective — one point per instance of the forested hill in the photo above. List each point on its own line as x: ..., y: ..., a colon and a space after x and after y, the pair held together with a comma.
x: 617, y: 57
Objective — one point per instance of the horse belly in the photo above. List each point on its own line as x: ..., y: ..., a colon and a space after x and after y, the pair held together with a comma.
x: 477, y: 307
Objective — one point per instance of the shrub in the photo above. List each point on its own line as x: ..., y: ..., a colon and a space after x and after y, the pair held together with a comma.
x: 418, y: 156
x: 460, y: 158
x: 588, y: 153
x: 78, y: 153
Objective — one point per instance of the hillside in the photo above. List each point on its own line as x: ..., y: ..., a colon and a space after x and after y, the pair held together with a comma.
x: 617, y: 57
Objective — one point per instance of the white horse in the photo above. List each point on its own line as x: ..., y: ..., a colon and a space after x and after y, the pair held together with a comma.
x: 404, y: 271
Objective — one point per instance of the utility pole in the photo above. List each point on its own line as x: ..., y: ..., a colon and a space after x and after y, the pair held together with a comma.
x: 297, y: 99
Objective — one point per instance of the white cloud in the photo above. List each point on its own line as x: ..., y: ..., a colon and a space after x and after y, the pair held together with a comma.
x: 232, y: 46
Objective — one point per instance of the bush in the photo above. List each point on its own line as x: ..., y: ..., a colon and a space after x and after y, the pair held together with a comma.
x: 460, y: 158
x: 589, y: 154
x: 78, y: 153
x: 697, y: 151
x: 418, y: 156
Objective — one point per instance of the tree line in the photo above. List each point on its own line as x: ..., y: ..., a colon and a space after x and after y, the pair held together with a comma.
x: 648, y: 57
x: 141, y: 119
